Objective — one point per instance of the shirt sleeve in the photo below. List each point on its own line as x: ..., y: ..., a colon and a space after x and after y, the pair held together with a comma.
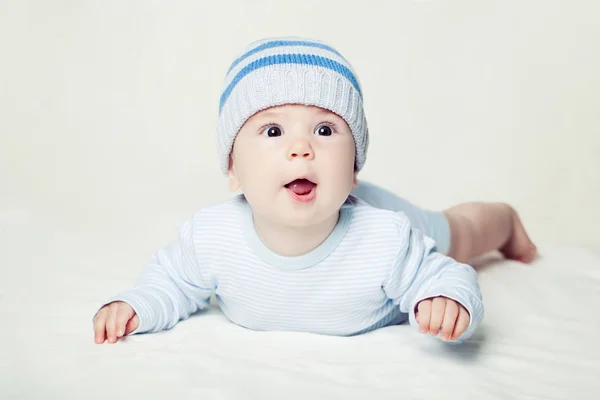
x: 431, y: 222
x: 171, y: 287
x: 420, y: 273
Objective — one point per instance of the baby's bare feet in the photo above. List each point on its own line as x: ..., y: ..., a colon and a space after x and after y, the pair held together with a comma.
x: 519, y: 247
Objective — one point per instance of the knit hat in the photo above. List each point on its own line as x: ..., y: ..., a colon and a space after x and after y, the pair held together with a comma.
x: 278, y: 71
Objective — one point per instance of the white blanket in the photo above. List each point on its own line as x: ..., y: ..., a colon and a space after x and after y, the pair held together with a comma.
x: 107, y: 117
x: 538, y: 341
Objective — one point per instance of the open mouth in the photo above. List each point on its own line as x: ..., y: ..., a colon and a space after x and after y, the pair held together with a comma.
x: 302, y: 189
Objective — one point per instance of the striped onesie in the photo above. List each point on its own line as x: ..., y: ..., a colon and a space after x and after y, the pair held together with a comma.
x: 370, y: 272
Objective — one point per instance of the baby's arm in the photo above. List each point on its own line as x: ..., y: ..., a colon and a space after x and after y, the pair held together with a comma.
x: 431, y: 222
x: 421, y: 273
x: 171, y: 287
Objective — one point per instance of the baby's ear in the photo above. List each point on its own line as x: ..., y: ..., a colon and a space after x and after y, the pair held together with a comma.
x: 355, y: 181
x: 234, y: 182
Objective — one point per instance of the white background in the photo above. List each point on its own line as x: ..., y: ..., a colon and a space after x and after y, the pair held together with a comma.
x: 108, y: 109
x: 107, y: 118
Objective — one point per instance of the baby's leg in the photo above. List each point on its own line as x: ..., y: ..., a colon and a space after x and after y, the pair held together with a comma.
x: 477, y: 228
x: 464, y: 231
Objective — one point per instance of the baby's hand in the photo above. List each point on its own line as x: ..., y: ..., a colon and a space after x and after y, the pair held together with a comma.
x: 442, y: 312
x: 116, y: 320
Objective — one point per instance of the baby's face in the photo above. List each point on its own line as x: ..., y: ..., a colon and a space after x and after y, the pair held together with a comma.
x: 294, y: 164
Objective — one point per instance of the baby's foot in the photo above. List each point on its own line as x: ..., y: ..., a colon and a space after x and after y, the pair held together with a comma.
x: 519, y: 247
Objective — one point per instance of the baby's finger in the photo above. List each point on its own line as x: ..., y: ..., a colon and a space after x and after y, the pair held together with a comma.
x: 111, y: 335
x: 100, y: 326
x: 132, y: 325
x: 449, y: 319
x: 438, y: 307
x: 123, y: 316
x: 424, y: 310
x: 462, y: 323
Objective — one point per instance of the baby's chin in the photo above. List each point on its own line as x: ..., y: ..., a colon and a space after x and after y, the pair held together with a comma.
x: 311, y: 218
x: 284, y: 210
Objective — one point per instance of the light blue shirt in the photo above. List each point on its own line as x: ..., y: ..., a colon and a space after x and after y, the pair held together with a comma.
x: 432, y: 223
x: 370, y: 272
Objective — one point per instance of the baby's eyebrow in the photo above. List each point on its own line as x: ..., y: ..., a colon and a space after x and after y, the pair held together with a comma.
x: 269, y: 114
x: 323, y: 111
x: 327, y: 113
x: 276, y: 114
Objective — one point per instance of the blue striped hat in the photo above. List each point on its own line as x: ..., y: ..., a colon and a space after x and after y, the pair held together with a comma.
x: 278, y: 71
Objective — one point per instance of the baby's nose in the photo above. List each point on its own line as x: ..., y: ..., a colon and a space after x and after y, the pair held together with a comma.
x: 301, y: 149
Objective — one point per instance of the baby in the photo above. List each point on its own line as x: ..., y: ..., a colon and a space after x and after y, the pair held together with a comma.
x: 306, y: 246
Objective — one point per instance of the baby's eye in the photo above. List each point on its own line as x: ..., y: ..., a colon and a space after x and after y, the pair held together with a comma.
x: 272, y: 131
x: 324, y: 130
